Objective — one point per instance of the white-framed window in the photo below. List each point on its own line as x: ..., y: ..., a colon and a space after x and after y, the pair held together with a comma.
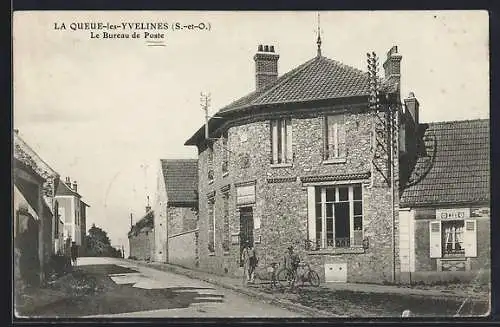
x: 453, y: 238
x: 334, y: 137
x: 281, y: 141
x: 335, y: 216
x: 211, y: 225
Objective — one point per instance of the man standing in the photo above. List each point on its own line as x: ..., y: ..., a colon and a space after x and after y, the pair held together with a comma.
x: 74, y: 253
x: 291, y: 260
x: 249, y: 259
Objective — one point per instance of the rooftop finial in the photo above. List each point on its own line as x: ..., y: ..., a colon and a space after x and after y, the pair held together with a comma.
x: 318, y: 42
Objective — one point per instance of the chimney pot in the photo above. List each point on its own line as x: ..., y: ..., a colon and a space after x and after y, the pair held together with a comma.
x: 16, y: 131
x: 266, y: 48
x: 260, y: 48
x: 271, y: 48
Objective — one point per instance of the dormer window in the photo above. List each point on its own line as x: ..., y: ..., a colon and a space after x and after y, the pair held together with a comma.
x: 281, y: 141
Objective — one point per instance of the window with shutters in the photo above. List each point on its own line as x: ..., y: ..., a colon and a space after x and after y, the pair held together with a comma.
x: 334, y: 137
x: 226, y: 236
x: 452, y: 238
x: 281, y: 141
x: 211, y: 225
x: 338, y: 216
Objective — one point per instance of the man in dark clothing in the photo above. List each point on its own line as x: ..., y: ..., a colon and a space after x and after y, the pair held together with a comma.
x: 291, y: 260
x: 74, y: 253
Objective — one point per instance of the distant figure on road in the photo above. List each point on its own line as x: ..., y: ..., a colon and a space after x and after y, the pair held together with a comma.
x: 74, y: 253
x: 250, y: 261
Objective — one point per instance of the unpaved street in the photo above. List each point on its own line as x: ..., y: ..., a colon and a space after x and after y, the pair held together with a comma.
x: 129, y: 290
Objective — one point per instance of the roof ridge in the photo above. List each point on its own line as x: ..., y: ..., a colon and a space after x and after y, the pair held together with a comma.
x: 341, y: 64
x: 34, y: 153
x: 284, y: 78
x: 456, y: 121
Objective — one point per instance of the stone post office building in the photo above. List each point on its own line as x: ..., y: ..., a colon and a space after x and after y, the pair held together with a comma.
x: 295, y: 163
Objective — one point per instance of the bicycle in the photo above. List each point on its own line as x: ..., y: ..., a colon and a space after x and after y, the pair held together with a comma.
x: 303, y: 273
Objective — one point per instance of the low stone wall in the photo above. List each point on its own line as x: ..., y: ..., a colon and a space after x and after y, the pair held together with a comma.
x: 182, y: 249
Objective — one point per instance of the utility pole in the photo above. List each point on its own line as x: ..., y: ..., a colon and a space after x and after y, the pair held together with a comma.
x: 205, y: 103
x: 130, y: 221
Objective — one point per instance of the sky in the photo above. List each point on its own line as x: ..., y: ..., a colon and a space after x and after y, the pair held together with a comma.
x: 104, y: 111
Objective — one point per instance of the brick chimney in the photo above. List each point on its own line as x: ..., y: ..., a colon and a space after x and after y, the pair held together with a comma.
x: 266, y: 66
x: 392, y: 68
x: 412, y: 106
x: 68, y: 182
x: 75, y: 186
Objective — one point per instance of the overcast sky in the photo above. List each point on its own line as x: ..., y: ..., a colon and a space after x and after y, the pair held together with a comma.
x: 104, y: 111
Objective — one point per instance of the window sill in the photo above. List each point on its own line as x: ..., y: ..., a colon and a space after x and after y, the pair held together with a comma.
x: 225, y: 174
x: 334, y: 161
x: 226, y: 253
x: 211, y: 254
x: 210, y: 182
x: 281, y: 165
x: 351, y: 250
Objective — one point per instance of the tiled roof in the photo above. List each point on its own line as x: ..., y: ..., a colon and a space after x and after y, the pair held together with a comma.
x: 457, y: 168
x: 181, y: 180
x: 317, y: 79
x: 145, y: 224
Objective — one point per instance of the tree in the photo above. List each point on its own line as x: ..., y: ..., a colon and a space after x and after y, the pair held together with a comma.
x: 98, y: 243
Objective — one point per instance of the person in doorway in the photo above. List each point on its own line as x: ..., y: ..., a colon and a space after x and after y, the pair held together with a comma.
x: 74, y: 253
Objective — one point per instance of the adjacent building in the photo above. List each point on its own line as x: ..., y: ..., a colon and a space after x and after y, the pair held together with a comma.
x: 72, y: 211
x: 445, y: 205
x: 302, y: 160
x: 35, y: 212
x: 176, y: 212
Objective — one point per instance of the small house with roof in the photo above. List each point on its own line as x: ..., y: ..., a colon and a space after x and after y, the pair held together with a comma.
x: 445, y: 203
x: 176, y: 212
x: 141, y: 237
x: 294, y: 162
x: 72, y: 211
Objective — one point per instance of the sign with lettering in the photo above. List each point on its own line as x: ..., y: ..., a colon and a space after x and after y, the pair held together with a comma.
x: 458, y: 213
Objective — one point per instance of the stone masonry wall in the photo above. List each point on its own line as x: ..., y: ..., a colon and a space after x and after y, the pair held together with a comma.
x: 141, y: 245
x: 282, y: 207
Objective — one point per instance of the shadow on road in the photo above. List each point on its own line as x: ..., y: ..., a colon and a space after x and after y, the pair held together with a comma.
x: 112, y: 298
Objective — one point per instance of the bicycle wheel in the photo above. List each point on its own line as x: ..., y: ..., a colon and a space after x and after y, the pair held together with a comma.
x: 313, y: 278
x: 284, y: 277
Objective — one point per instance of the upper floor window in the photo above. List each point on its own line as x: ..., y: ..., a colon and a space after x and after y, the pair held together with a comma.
x: 210, y: 157
x: 281, y: 141
x: 225, y: 153
x: 334, y: 138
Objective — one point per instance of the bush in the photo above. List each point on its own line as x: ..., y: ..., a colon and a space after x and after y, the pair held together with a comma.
x: 59, y: 265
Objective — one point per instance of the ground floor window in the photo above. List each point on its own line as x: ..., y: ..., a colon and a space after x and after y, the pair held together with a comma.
x: 225, y: 237
x: 453, y: 238
x: 338, y: 216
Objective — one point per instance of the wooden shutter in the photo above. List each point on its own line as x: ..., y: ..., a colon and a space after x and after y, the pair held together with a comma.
x: 470, y: 238
x: 435, y: 239
x: 274, y: 143
x: 289, y: 149
x: 311, y: 214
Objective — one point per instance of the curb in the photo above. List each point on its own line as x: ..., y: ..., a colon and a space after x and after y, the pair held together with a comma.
x: 252, y: 293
